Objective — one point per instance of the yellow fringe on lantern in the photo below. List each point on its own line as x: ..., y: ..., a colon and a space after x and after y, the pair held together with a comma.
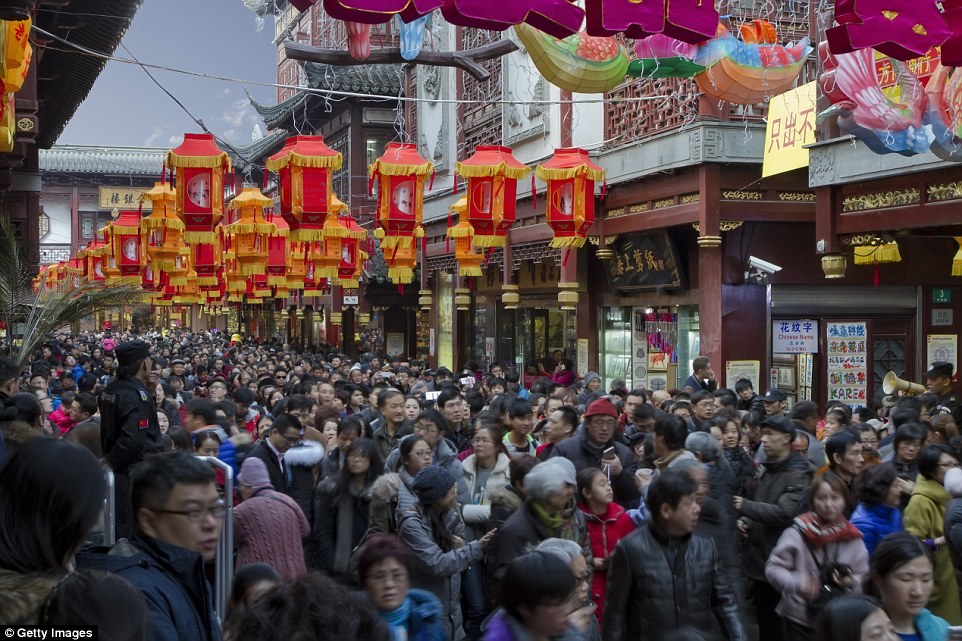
x: 250, y: 228
x: 281, y: 231
x: 877, y: 254
x: 390, y: 169
x: 469, y: 270
x: 348, y: 282
x: 150, y: 222
x: 571, y: 172
x: 404, y: 242
x: 253, y: 269
x: 957, y: 260
x: 461, y: 230
x: 325, y: 272
x: 485, y: 171
x: 180, y: 281
x: 199, y: 237
x: 488, y: 241
x: 335, y: 229
x: 306, y: 235
x: 315, y: 162
x: 162, y: 302
x: 125, y: 229
x: 277, y: 281
x: 207, y: 281
x: 209, y: 162
x: 567, y: 242
x: 314, y: 292
x: 400, y: 275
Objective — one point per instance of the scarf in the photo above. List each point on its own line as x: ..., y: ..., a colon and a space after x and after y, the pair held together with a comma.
x: 818, y: 533
x: 550, y: 521
x: 344, y: 543
x: 398, y: 620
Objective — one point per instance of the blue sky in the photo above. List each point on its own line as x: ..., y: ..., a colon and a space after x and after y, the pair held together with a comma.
x: 125, y: 108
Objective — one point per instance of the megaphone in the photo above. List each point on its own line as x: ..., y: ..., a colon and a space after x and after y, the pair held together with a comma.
x: 892, y: 384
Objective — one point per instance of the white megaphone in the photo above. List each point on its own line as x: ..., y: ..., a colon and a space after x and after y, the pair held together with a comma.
x: 892, y: 384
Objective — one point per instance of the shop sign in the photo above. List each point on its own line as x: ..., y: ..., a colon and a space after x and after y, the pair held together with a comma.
x: 123, y: 198
x: 846, y: 349
x: 644, y: 261
x: 790, y: 128
x: 942, y: 347
x: 795, y: 336
x: 941, y: 295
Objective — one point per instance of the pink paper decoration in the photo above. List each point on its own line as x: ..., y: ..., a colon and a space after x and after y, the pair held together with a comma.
x: 690, y: 21
x: 952, y: 47
x: 359, y: 40
x: 902, y: 29
x: 379, y: 11
x: 559, y: 18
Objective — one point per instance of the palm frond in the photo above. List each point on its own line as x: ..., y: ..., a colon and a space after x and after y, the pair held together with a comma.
x: 16, y: 285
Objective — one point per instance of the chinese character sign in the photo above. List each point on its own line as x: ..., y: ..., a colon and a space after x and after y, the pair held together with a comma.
x: 795, y: 336
x: 846, y: 350
x: 791, y: 126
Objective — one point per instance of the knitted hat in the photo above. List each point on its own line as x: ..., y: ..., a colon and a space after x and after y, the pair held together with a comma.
x: 253, y: 473
x: 432, y: 483
x: 601, y: 407
x: 132, y: 352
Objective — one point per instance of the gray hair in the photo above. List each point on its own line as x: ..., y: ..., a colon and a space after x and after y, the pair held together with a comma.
x: 565, y: 550
x: 544, y: 479
x: 687, y: 464
x: 703, y: 444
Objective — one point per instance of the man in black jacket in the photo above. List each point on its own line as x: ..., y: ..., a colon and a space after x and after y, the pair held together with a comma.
x: 285, y: 433
x: 663, y: 577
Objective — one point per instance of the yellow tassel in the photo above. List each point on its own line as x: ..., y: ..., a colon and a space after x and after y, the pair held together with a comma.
x: 210, y: 162
x: 567, y: 241
x: 199, y: 237
x: 314, y: 162
x: 957, y: 260
x: 877, y: 254
x: 470, y: 271
x: 400, y: 275
x: 390, y: 169
x: 307, y: 235
x: 567, y: 174
x: 347, y: 282
x: 253, y: 269
x: 461, y: 230
x: 207, y: 281
x: 379, y: 233
x: 485, y: 171
x: 277, y: 281
x: 488, y: 241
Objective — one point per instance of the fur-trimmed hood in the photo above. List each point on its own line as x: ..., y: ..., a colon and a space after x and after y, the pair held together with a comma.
x: 507, y: 497
x: 386, y: 487
x: 307, y: 454
x: 22, y: 596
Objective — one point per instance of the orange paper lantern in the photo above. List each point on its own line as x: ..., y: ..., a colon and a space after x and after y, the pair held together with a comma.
x: 492, y: 173
x: 571, y: 178
x: 126, y: 246
x: 201, y: 167
x: 469, y: 262
x: 162, y: 231
x: 304, y: 167
x: 400, y: 172
x: 247, y: 234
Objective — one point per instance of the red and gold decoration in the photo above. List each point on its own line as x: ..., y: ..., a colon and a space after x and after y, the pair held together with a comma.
x: 492, y: 173
x: 278, y: 249
x: 469, y: 261
x: 93, y: 257
x: 304, y: 167
x: 247, y: 235
x: 571, y: 178
x: 162, y: 232
x: 200, y: 167
x: 400, y: 175
x: 339, y: 258
x: 352, y: 256
x: 126, y: 247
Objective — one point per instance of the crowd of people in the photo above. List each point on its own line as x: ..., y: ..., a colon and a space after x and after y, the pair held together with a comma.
x: 378, y: 499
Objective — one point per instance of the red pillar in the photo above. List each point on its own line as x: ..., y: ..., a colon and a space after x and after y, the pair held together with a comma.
x: 710, y: 266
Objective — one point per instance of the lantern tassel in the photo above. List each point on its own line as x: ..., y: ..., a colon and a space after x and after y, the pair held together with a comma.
x: 264, y: 186
x: 875, y: 278
x: 431, y: 184
x: 957, y: 260
x: 604, y: 189
x: 447, y: 237
x: 454, y: 183
x: 534, y: 194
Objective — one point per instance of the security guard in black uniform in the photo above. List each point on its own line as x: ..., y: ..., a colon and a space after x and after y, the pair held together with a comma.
x: 128, y: 424
x: 938, y: 381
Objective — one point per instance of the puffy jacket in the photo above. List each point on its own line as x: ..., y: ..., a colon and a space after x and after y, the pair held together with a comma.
x: 437, y: 571
x: 791, y: 561
x: 780, y: 488
x: 179, y: 604
x: 475, y: 515
x: 300, y: 462
x: 605, y: 531
x: 576, y: 449
x: 424, y: 622
x: 327, y: 529
x: 876, y: 521
x: 648, y: 596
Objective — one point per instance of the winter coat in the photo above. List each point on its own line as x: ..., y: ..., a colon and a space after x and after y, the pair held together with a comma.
x: 649, y: 596
x: 780, y: 487
x: 743, y: 466
x: 604, y: 532
x: 953, y: 519
x: 583, y: 455
x: 925, y: 518
x: 504, y: 627
x: 444, y: 455
x: 475, y: 515
x: 504, y: 502
x: 269, y: 527
x: 876, y: 521
x: 791, y: 561
x: 385, y: 442
x: 22, y: 596
x: 302, y: 463
x: 437, y: 571
x: 391, y: 496
x: 179, y: 599
x: 329, y: 554
x: 424, y: 621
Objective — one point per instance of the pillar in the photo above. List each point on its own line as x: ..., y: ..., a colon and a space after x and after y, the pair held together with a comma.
x: 710, y: 266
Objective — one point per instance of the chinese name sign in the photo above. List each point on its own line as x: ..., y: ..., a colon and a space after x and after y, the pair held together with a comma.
x: 847, y: 362
x: 791, y: 126
x: 123, y: 198
x: 795, y: 336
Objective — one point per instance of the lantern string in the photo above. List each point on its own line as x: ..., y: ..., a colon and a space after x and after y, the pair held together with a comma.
x: 534, y: 194
x: 564, y: 259
x: 431, y: 184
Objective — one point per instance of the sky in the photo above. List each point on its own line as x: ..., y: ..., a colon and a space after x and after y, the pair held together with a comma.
x: 220, y: 37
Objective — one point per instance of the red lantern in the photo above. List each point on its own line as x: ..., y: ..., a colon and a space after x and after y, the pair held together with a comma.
x: 401, y: 262
x: 200, y: 167
x: 126, y: 246
x: 492, y: 174
x: 278, y: 249
x: 248, y: 233
x: 206, y: 261
x: 162, y: 232
x: 571, y: 178
x: 352, y: 256
x: 469, y: 262
x: 327, y: 259
x: 400, y: 173
x: 304, y: 167
x: 93, y: 257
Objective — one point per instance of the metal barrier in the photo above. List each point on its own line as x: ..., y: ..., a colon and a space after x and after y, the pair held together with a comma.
x: 110, y: 508
x: 224, y: 569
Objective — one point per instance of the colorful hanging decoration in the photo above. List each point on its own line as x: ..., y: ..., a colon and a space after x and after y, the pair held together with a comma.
x: 126, y: 247
x: 400, y: 173
x: 200, y: 167
x: 571, y: 178
x: 352, y: 256
x: 358, y: 40
x: 278, y: 250
x: 327, y: 260
x: 492, y: 173
x: 17, y: 53
x: 659, y: 56
x: 401, y: 262
x: 162, y: 231
x: 247, y: 234
x: 579, y: 63
x: 957, y: 259
x: 93, y: 255
x: 412, y: 36
x: 469, y: 261
x: 902, y: 29
x: 304, y: 167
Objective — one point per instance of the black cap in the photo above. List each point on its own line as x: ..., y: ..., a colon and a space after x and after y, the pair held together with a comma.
x: 780, y: 423
x: 774, y: 395
x: 939, y: 369
x: 131, y: 352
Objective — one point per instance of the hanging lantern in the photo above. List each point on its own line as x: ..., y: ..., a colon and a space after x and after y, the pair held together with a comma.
x: 259, y: 287
x: 109, y: 265
x: 205, y: 258
x: 162, y: 231
x: 304, y: 167
x: 17, y: 52
x: 401, y: 262
x: 278, y: 248
x: 313, y: 283
x: 327, y: 258
x: 469, y: 262
x: 150, y: 282
x: 571, y: 178
x: 200, y: 167
x: 8, y: 126
x: 126, y: 246
x: 249, y: 231
x: 400, y: 173
x: 957, y: 259
x: 492, y: 174
x: 352, y: 256
x: 297, y: 273
x: 93, y: 257
x: 877, y: 254
x: 74, y: 270
x: 165, y: 291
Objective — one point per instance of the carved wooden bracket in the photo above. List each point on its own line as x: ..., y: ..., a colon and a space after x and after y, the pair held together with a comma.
x: 467, y: 59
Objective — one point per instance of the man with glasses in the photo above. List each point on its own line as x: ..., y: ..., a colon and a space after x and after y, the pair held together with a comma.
x: 178, y: 521
x: 285, y: 433
x: 703, y: 409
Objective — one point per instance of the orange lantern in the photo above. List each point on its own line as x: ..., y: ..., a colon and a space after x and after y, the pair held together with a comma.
x: 304, y: 167
x: 469, y: 262
x: 571, y: 178
x: 126, y: 246
x: 297, y: 273
x: 150, y: 281
x: 352, y: 256
x: 162, y: 231
x: 200, y: 167
x: 278, y: 248
x: 109, y: 261
x: 165, y: 291
x: 400, y: 173
x: 492, y: 173
x: 247, y: 235
x: 188, y: 293
x: 314, y: 283
x: 74, y: 269
x: 401, y: 262
x: 93, y: 257
x: 205, y: 258
x: 327, y: 260
x: 17, y: 52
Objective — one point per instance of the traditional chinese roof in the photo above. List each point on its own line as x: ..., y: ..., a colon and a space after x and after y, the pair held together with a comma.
x: 251, y: 156
x: 103, y: 160
x: 64, y: 76
x: 382, y: 80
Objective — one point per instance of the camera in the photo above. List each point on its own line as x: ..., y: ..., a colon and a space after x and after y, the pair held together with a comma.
x: 763, y: 265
